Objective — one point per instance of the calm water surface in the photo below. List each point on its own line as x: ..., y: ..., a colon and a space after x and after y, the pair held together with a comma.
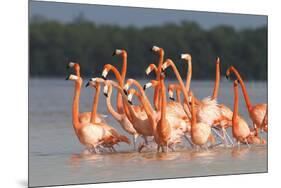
x: 56, y: 157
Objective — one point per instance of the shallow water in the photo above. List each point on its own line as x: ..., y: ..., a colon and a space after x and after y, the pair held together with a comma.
x: 56, y: 157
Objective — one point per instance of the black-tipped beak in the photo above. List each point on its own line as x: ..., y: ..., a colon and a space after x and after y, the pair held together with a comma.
x: 67, y: 78
x: 105, y: 94
x: 124, y: 90
x: 130, y: 102
x: 227, y: 77
x: 67, y: 66
x: 238, y: 81
x: 144, y: 87
x: 151, y: 49
x: 103, y: 77
x: 114, y: 53
x: 87, y: 84
x: 172, y: 98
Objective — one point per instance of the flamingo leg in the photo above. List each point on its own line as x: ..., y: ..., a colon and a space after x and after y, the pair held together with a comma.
x: 135, y: 141
x: 224, y: 136
x: 189, y: 141
x: 228, y: 137
x: 216, y: 132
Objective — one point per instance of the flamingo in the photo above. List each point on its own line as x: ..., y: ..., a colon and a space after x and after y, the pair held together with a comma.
x: 160, y: 52
x: 200, y: 131
x: 121, y: 118
x: 85, y: 116
x: 171, y: 89
x: 226, y: 114
x: 256, y: 112
x: 155, y: 117
x: 94, y: 135
x: 173, y: 107
x: 123, y: 54
x: 240, y: 129
x: 106, y: 69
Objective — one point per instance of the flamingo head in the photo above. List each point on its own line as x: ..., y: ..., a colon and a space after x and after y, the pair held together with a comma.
x: 171, y: 94
x: 218, y: 60
x: 118, y: 52
x: 152, y: 83
x: 166, y: 64
x: 92, y: 82
x: 127, y: 86
x: 228, y: 71
x: 105, y: 71
x: 75, y: 66
x: 190, y: 97
x: 150, y: 68
x: 158, y: 50
x: 186, y: 57
x: 131, y: 93
x: 74, y: 78
x: 105, y: 90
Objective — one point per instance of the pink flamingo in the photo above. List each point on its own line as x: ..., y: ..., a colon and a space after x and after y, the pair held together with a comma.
x: 257, y: 112
x: 93, y: 135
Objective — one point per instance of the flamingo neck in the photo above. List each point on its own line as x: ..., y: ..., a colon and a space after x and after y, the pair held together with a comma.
x: 244, y: 90
x: 124, y: 66
x: 179, y: 80
x: 131, y: 110
x: 163, y: 103
x: 217, y: 82
x: 115, y: 114
x: 157, y: 88
x: 75, y: 105
x: 235, y: 107
x: 193, y: 114
x: 95, y: 104
x: 189, y: 75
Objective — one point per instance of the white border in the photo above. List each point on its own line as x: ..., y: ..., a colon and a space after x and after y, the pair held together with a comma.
x: 13, y: 69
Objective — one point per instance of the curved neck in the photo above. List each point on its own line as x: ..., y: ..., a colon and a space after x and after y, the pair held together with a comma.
x: 75, y: 105
x: 116, y: 74
x: 133, y: 114
x: 124, y: 65
x: 120, y: 102
x: 244, y: 90
x: 217, y: 81
x: 95, y: 104
x: 235, y: 107
x: 110, y: 108
x: 171, y: 63
x: 142, y: 93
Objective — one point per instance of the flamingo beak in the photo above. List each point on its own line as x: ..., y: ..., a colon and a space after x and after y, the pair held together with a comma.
x: 130, y: 102
x: 125, y: 91
x: 144, y: 87
x: 172, y: 98
x: 67, y: 78
x: 114, y: 53
x: 87, y: 85
x: 105, y: 91
x: 227, y: 77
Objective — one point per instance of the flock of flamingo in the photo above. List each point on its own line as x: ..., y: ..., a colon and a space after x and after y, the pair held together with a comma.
x: 202, y: 123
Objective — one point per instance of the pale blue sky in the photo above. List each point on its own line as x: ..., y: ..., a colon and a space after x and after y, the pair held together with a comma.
x: 139, y: 17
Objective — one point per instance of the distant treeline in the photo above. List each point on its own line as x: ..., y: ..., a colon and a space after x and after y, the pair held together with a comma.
x: 54, y: 44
